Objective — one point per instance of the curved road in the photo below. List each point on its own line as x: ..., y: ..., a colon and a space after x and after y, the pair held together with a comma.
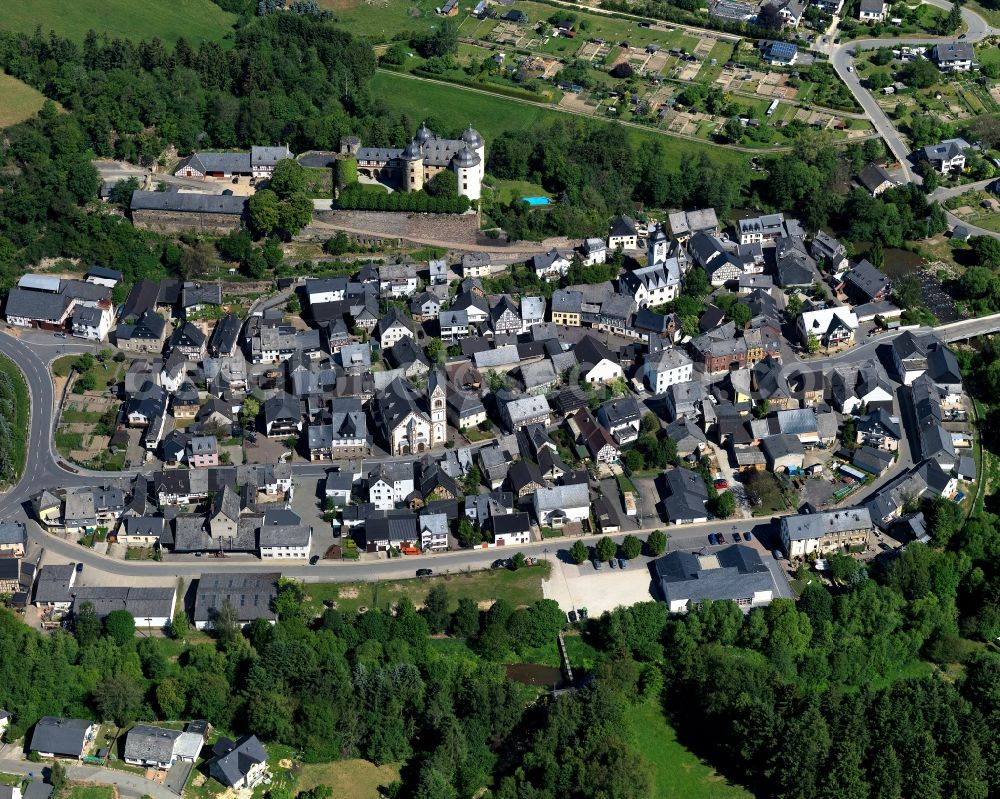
x: 976, y: 29
x: 42, y: 470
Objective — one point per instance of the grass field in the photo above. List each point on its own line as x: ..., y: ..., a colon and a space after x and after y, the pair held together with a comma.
x: 453, y: 107
x: 519, y: 588
x: 18, y: 101
x: 350, y: 779
x: 381, y: 21
x: 195, y: 20
x: 677, y: 773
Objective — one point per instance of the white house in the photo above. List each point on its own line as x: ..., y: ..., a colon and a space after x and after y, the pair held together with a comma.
x: 832, y: 327
x: 593, y: 251
x: 666, y: 368
x: 390, y: 484
x: 326, y: 289
x: 434, y: 532
x: 92, y: 322
x: 624, y: 235
x: 824, y: 531
x: 392, y: 328
x: 550, y: 265
x: 555, y: 507
x: 653, y: 285
x: 873, y: 10
x: 597, y: 363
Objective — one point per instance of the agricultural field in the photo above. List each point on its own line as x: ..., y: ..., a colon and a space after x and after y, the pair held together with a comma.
x: 195, y: 20
x: 452, y: 107
x: 18, y: 101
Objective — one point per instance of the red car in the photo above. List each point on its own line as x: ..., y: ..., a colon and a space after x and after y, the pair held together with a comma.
x: 721, y: 485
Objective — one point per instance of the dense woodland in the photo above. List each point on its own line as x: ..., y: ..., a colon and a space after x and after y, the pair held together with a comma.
x: 878, y: 685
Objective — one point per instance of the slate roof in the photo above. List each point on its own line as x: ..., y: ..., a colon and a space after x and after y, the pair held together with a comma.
x: 234, y: 163
x: 225, y: 335
x: 623, y: 226
x: 142, y: 602
x: 686, y: 495
x: 58, y: 735
x: 873, y: 175
x: 250, y: 594
x: 227, y: 204
x: 234, y: 759
x: 152, y: 744
x: 872, y: 460
x: 735, y: 572
x: 13, y: 532
x: 806, y: 526
x: 866, y: 281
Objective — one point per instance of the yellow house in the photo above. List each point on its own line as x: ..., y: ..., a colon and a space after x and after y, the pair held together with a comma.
x: 48, y: 509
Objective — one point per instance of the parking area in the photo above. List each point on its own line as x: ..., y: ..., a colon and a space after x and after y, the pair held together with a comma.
x: 575, y: 587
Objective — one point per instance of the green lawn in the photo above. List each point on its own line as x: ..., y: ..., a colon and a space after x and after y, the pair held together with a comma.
x: 507, y: 190
x: 195, y: 20
x: 677, y: 773
x: 517, y: 587
x: 104, y: 374
x: 18, y: 101
x: 90, y: 792
x: 453, y: 107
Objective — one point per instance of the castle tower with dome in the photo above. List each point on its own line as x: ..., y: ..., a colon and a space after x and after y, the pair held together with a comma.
x: 412, y: 167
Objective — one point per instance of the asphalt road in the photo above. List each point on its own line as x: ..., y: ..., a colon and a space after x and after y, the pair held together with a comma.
x: 34, y: 354
x: 976, y: 29
x: 130, y: 785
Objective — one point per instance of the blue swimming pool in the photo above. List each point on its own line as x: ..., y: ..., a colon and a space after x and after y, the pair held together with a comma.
x: 537, y: 200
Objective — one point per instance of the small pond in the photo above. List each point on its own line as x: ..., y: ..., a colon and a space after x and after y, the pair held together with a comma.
x: 533, y: 674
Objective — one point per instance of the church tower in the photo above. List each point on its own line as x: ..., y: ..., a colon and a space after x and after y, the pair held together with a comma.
x: 436, y: 404
x: 656, y: 252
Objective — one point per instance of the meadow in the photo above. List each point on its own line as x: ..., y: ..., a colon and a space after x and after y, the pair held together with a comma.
x: 18, y: 101
x: 520, y: 587
x: 677, y: 772
x: 454, y: 107
x: 195, y: 20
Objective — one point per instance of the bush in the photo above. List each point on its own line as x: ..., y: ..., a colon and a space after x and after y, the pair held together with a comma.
x: 355, y: 197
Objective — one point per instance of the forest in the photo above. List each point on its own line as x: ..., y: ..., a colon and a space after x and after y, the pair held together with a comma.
x: 878, y: 684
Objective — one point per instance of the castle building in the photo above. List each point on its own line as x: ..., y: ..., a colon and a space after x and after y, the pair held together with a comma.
x: 412, y: 167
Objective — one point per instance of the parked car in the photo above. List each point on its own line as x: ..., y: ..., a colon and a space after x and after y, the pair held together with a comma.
x: 424, y: 572
x: 499, y: 563
x: 722, y: 538
x: 720, y: 484
x: 713, y: 539
x: 59, y: 335
x: 597, y: 564
x: 79, y: 567
x: 748, y: 536
x: 621, y: 563
x: 612, y: 563
x: 777, y: 554
x: 314, y: 560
